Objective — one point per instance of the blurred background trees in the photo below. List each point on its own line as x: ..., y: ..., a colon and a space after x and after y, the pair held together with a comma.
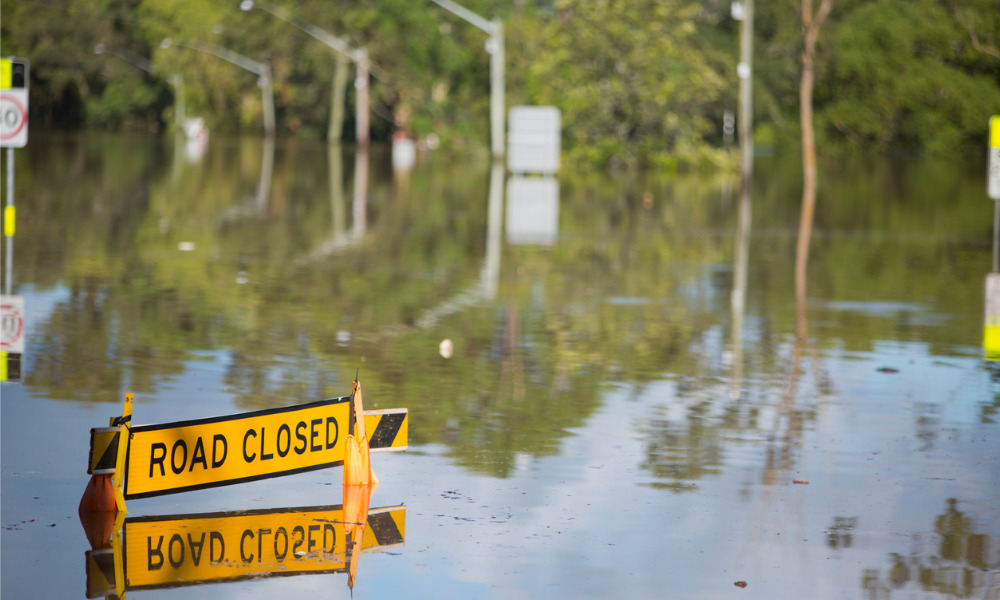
x: 641, y: 83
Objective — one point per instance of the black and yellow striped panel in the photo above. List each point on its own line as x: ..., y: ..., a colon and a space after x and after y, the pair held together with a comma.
x: 100, y: 573
x: 103, y: 450
x: 388, y: 430
x: 389, y: 526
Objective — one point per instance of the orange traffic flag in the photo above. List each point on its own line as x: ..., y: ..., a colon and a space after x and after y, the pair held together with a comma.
x: 357, y: 459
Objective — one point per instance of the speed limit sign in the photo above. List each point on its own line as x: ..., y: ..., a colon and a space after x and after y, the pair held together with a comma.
x: 13, y: 103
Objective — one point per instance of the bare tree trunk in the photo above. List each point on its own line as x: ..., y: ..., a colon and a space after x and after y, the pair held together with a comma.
x: 810, y: 32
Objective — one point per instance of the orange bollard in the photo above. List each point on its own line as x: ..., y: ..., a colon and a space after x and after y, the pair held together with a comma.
x: 98, y: 511
x: 99, y: 495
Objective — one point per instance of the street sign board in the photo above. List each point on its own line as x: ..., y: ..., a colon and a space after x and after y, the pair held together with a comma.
x: 13, y: 103
x: 533, y: 142
x: 196, y: 454
x: 182, y: 550
x: 993, y: 171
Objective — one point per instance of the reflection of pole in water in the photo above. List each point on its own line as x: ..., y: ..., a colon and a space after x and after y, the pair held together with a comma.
x: 738, y: 297
x: 360, y: 204
x: 335, y: 157
x: 489, y: 276
x: 491, y: 265
x: 340, y: 235
x: 266, y: 172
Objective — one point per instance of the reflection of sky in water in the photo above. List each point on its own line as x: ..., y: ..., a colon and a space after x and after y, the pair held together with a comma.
x: 911, y: 312
x: 590, y: 522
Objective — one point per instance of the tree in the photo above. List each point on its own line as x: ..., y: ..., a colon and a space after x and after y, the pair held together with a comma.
x: 811, y: 24
x: 634, y: 82
x: 929, y: 90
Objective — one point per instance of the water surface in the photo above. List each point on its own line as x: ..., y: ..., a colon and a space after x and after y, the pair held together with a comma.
x: 608, y: 421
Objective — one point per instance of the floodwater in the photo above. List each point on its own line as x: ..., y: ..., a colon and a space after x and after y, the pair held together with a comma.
x: 603, y: 419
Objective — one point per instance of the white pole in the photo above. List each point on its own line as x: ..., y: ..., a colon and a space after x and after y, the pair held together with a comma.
x: 363, y: 92
x: 496, y: 49
x: 267, y: 91
x: 497, y: 90
x: 745, y: 72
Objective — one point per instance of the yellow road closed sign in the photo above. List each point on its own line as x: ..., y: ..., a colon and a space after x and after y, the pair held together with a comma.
x: 197, y: 454
x: 152, y: 460
x: 189, y: 455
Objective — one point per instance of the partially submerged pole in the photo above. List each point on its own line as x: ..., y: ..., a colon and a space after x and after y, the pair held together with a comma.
x: 745, y: 73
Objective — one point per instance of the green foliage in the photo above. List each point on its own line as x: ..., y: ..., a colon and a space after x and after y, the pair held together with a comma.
x: 919, y: 95
x: 641, y: 83
x: 632, y: 79
x: 888, y: 78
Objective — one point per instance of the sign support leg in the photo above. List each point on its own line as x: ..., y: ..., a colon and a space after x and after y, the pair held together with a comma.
x: 119, y: 475
x: 103, y: 493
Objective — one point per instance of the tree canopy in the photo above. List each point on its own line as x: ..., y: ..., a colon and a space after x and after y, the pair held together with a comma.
x: 641, y: 83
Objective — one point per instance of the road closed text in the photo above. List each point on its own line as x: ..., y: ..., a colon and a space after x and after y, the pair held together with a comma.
x: 196, y: 454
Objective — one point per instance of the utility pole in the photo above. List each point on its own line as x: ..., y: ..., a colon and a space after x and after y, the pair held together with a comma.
x: 359, y: 55
x: 362, y: 87
x: 261, y: 70
x: 744, y: 11
x: 495, y: 47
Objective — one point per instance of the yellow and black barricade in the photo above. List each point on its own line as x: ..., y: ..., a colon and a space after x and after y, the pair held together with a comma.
x: 184, y: 550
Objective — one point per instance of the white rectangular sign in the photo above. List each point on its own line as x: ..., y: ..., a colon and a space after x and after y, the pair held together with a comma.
x: 533, y: 142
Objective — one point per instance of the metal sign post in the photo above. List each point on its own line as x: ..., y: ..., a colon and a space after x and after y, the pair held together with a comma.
x: 13, y: 134
x: 991, y: 327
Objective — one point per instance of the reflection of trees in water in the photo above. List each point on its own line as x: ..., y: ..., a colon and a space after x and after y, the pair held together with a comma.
x: 685, y: 450
x: 691, y: 445
x: 631, y: 293
x: 955, y: 560
x: 841, y: 533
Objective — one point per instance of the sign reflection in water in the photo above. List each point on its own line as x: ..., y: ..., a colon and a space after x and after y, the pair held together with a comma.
x: 186, y: 550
